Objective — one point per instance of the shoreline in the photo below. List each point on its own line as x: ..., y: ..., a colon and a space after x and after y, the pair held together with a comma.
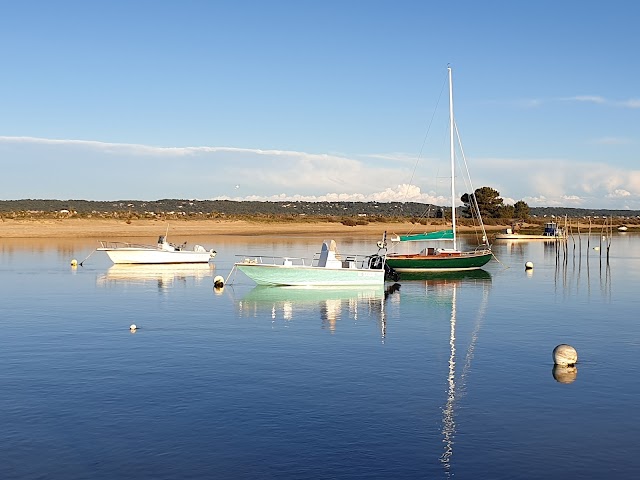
x: 115, y: 229
x: 111, y: 229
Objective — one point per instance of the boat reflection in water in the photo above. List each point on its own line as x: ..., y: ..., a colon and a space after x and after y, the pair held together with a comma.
x: 164, y: 275
x: 459, y: 277
x: 434, y: 287
x: 333, y: 303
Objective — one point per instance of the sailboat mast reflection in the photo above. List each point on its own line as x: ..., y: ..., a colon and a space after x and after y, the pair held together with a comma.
x: 456, y: 384
x: 448, y: 421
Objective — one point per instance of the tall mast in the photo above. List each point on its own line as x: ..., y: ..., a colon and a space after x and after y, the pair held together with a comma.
x: 452, y: 154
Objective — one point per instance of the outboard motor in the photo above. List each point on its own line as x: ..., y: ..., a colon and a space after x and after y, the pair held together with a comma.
x: 390, y: 273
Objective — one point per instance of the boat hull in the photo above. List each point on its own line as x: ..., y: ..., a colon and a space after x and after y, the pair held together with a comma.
x: 438, y: 263
x: 154, y: 256
x: 524, y: 236
x: 305, y: 276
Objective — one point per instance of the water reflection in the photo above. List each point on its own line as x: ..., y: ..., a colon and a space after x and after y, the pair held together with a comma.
x: 435, y: 287
x: 289, y: 303
x: 573, y: 268
x: 165, y: 276
x: 442, y: 289
x: 564, y: 373
x: 459, y: 277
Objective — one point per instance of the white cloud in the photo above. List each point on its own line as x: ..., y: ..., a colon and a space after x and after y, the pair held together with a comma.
x: 138, y: 149
x: 214, y: 172
x: 541, y: 200
x: 631, y: 103
x: 619, y: 193
x: 587, y: 99
x: 594, y: 99
x: 402, y: 193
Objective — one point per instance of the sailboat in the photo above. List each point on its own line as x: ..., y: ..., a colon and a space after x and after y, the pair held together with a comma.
x: 433, y: 259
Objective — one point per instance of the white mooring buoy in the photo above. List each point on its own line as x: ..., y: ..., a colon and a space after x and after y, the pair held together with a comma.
x: 218, y: 282
x: 528, y: 266
x: 565, y: 355
x: 74, y: 263
x: 133, y: 327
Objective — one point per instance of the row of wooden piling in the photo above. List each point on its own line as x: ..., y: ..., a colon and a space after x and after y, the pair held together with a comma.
x: 572, y: 232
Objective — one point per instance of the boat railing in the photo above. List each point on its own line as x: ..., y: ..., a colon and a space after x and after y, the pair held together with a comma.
x: 347, y: 260
x: 272, y: 260
x: 358, y: 261
x: 482, y: 249
x: 115, y: 245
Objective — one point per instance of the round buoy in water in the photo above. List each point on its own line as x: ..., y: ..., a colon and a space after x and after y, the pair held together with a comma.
x: 74, y: 263
x: 133, y: 327
x: 596, y: 248
x: 565, y: 355
x: 218, y: 281
x: 528, y: 265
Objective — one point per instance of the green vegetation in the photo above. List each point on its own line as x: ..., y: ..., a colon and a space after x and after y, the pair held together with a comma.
x: 488, y: 201
x: 492, y: 207
x: 521, y: 210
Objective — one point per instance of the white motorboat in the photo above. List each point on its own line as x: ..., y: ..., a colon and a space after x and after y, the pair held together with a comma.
x: 551, y: 232
x: 327, y: 268
x: 163, y: 252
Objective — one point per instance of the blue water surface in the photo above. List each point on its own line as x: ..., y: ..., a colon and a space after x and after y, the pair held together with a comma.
x: 449, y: 376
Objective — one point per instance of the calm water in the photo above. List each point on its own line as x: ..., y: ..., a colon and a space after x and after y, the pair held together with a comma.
x: 438, y: 378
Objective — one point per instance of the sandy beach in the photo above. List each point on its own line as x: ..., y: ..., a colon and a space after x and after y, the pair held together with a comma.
x: 112, y: 229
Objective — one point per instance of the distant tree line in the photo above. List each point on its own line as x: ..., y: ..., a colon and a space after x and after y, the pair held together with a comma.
x: 488, y: 200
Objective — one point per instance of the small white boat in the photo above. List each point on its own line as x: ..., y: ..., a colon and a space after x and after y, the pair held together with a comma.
x: 551, y: 232
x: 327, y: 268
x: 163, y: 252
x: 622, y: 228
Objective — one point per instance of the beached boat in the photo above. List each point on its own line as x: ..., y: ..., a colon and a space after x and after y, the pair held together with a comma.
x: 163, y: 252
x: 623, y: 228
x: 551, y: 232
x: 327, y: 268
x: 436, y: 258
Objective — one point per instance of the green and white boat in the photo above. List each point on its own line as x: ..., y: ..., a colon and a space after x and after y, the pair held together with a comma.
x: 327, y: 268
x: 438, y: 259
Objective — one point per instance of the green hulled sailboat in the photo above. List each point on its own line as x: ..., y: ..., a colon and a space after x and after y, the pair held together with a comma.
x: 443, y: 259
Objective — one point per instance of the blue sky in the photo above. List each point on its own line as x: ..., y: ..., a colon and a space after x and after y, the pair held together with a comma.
x: 314, y: 100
